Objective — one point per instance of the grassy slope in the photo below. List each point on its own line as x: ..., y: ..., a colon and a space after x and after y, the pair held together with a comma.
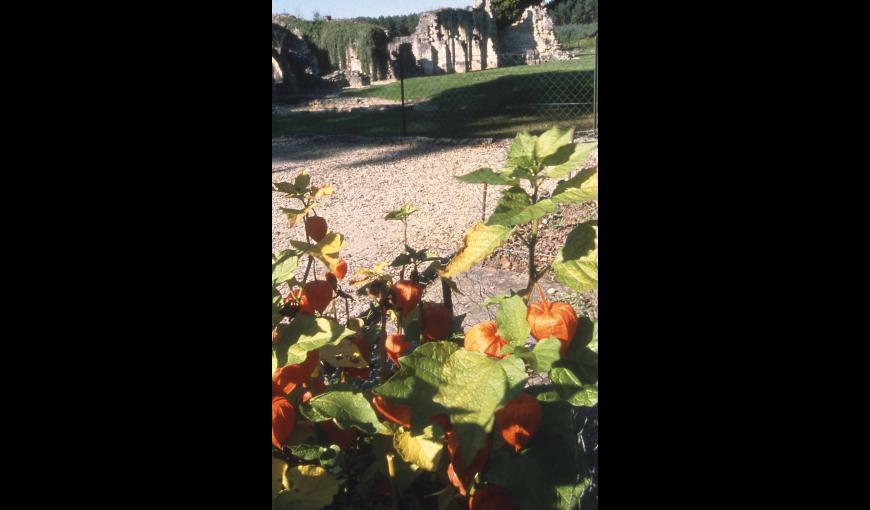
x: 496, y: 102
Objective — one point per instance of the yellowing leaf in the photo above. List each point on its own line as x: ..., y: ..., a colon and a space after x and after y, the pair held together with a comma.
x: 423, y: 450
x: 323, y: 191
x: 479, y: 242
x: 294, y: 215
x: 401, y: 214
x: 327, y: 250
x: 580, y: 188
x: 344, y: 355
x: 576, y: 264
x: 308, y: 488
x: 278, y: 469
x: 364, y: 276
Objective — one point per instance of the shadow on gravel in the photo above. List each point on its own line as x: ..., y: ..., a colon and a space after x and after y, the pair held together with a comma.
x: 298, y: 151
x: 403, y: 151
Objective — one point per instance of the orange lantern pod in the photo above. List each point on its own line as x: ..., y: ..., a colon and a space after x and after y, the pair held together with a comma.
x: 406, y: 295
x: 484, y: 338
x: 319, y: 294
x: 283, y: 420
x: 458, y: 475
x: 396, y: 346
x: 315, y: 227
x: 519, y: 420
x: 395, y: 413
x: 340, y: 269
x: 437, y: 321
x: 290, y: 376
x: 556, y: 319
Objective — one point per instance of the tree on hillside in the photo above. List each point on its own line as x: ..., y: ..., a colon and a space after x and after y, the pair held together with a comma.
x: 566, y: 12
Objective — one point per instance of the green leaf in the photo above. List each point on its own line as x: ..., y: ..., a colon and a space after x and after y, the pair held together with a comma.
x: 411, y: 325
x: 522, y: 152
x: 542, y: 357
x: 576, y: 264
x: 486, y: 176
x: 347, y: 407
x: 284, y: 267
x: 306, y: 333
x: 550, y: 141
x: 582, y: 360
x: 579, y: 154
x: 475, y: 386
x: 511, y: 319
x: 417, y: 382
x: 401, y: 214
x: 587, y: 334
x: 516, y: 208
x: 571, y: 389
x: 495, y: 300
x: 479, y: 242
x: 307, y: 452
x: 302, y: 181
x: 583, y: 187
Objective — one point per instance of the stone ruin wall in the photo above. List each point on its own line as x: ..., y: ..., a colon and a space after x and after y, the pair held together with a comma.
x: 455, y: 41
x: 451, y: 41
x: 461, y: 40
x: 532, y: 39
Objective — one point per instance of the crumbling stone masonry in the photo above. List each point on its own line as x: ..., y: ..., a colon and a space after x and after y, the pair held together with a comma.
x: 445, y: 41
x: 531, y: 40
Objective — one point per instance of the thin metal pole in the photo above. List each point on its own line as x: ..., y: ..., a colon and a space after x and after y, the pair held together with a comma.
x: 595, y: 92
x: 402, y: 87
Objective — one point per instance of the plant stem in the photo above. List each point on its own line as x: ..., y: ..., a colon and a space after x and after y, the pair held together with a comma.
x: 307, y: 240
x: 382, y: 349
x: 533, y: 272
x: 307, y: 268
x: 391, y: 471
x: 533, y: 240
x: 483, y: 212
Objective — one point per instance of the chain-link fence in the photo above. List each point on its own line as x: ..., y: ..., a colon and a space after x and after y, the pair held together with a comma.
x: 521, y: 94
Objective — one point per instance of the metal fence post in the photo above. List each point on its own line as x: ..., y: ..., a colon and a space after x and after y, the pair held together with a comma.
x: 402, y: 88
x: 595, y: 92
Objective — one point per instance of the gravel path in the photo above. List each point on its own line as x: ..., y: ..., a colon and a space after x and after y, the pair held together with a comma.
x: 373, y: 178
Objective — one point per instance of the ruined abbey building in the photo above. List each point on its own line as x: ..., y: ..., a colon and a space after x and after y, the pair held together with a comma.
x: 305, y: 54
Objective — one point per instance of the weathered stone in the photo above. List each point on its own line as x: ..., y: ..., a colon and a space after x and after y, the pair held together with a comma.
x: 445, y: 41
x: 462, y: 40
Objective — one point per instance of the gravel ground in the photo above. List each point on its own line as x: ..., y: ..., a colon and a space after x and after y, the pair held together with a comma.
x: 373, y: 178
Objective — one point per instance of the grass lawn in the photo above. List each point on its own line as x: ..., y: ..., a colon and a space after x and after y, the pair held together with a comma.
x: 492, y: 103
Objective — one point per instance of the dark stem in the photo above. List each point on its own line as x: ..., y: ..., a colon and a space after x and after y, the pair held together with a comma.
x: 448, y: 295
x: 483, y: 212
x: 533, y: 240
x: 307, y: 268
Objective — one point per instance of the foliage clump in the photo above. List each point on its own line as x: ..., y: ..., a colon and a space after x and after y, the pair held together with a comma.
x: 334, y: 38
